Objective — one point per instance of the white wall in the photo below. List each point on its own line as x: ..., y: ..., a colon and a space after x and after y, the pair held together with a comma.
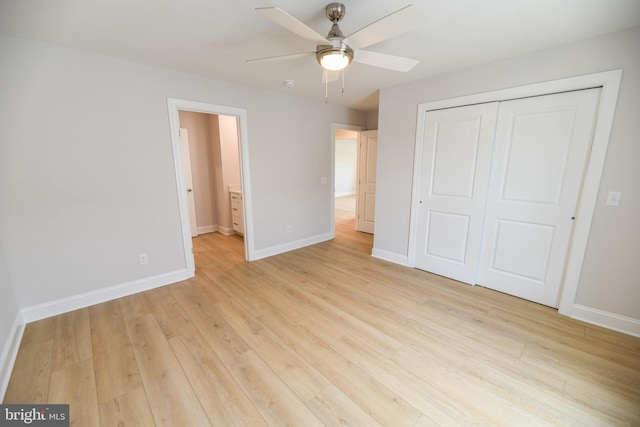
x: 346, y: 166
x: 10, y: 323
x: 87, y: 170
x: 609, y: 281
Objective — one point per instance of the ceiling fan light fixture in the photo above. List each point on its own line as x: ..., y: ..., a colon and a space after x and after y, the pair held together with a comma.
x: 334, y: 59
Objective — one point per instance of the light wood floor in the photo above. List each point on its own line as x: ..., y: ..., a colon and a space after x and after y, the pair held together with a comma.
x: 325, y: 335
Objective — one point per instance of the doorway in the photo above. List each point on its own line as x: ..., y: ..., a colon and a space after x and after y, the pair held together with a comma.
x: 344, y: 164
x: 175, y: 106
x: 354, y: 159
x: 211, y: 160
x: 346, y: 170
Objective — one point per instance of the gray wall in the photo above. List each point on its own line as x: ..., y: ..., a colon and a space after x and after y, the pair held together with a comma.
x: 609, y: 280
x: 9, y: 317
x: 372, y: 120
x: 346, y: 166
x: 8, y: 304
x: 87, y: 178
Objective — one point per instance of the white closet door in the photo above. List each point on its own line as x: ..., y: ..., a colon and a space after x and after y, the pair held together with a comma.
x: 541, y: 149
x: 456, y: 160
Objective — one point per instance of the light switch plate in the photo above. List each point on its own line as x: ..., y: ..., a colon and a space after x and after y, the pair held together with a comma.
x: 613, y: 198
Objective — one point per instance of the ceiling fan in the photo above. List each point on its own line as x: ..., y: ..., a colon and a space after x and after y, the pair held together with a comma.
x: 335, y: 51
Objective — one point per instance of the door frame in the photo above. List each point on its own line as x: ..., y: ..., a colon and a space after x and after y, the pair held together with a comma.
x: 609, y: 82
x: 174, y: 105
x: 332, y: 181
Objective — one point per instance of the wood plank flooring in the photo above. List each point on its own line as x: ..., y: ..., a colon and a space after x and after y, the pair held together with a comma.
x: 325, y: 335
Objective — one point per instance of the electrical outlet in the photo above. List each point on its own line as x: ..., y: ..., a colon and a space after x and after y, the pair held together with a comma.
x: 143, y: 258
x: 613, y: 198
x: 289, y: 228
x: 323, y: 180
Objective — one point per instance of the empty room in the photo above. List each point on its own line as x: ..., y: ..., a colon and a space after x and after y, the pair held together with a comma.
x: 313, y: 213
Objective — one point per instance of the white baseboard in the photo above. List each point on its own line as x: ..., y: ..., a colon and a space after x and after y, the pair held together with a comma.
x: 286, y: 247
x: 616, y: 322
x: 390, y: 256
x: 347, y: 193
x: 75, y: 302
x: 9, y: 353
x: 227, y: 231
x: 207, y: 229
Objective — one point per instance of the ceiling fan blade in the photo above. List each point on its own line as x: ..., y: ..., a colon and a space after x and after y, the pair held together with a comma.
x: 399, y: 22
x: 282, y: 57
x: 382, y: 60
x: 287, y: 21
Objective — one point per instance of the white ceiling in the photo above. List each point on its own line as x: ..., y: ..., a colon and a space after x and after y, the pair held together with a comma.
x: 215, y: 38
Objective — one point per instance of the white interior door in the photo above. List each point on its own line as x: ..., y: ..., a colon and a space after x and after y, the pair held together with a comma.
x: 366, y: 188
x: 188, y: 180
x: 541, y: 149
x: 456, y: 159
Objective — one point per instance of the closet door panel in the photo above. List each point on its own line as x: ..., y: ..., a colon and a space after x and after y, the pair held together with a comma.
x: 455, y: 164
x: 538, y: 141
x: 541, y: 149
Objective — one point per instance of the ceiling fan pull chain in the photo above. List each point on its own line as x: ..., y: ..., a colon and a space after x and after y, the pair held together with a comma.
x: 343, y: 71
x: 326, y: 86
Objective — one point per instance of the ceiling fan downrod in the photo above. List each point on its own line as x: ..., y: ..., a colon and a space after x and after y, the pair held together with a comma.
x: 335, y: 12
